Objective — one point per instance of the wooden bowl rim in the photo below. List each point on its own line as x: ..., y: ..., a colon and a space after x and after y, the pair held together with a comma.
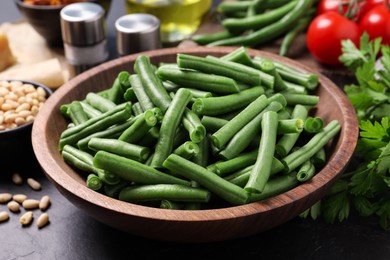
x: 331, y: 171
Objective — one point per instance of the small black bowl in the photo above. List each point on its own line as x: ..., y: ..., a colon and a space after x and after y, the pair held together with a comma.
x: 46, y: 20
x: 16, y: 143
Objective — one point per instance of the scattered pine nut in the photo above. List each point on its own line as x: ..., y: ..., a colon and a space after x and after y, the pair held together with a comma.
x: 4, y: 216
x: 30, y: 204
x: 42, y: 220
x: 44, y: 203
x: 33, y: 184
x: 5, y: 197
x: 19, y: 198
x: 13, y: 206
x: 26, y: 218
x: 17, y: 179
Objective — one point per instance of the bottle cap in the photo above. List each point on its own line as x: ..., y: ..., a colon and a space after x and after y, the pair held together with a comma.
x: 82, y: 24
x: 137, y: 32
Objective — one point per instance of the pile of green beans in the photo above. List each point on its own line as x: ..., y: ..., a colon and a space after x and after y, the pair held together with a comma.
x: 154, y: 138
x: 251, y: 23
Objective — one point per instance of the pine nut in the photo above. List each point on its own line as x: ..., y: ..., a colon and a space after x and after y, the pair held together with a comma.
x: 19, y: 198
x: 4, y: 216
x: 42, y: 220
x: 5, y: 197
x: 26, y: 218
x: 17, y: 179
x: 33, y: 184
x: 44, y: 203
x: 30, y: 204
x: 13, y: 206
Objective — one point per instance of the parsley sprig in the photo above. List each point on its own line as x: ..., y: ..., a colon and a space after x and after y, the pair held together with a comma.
x: 366, y: 189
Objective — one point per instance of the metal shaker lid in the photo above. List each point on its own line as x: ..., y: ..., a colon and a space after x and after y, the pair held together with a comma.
x: 82, y: 23
x: 137, y: 32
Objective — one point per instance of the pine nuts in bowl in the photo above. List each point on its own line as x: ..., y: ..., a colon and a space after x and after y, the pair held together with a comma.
x: 20, y: 102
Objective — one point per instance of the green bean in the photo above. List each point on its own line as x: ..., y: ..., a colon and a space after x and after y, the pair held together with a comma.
x: 212, y: 124
x: 140, y: 92
x: 111, y: 132
x: 203, y: 39
x: 100, y: 103
x: 136, y: 131
x: 223, y: 168
x: 278, y: 98
x: 76, y: 113
x: 319, y: 158
x: 317, y: 142
x: 243, y: 138
x: 294, y: 88
x: 90, y: 110
x: 193, y: 125
x: 94, y: 182
x: 150, y: 138
x: 152, y: 84
x: 239, y: 55
x: 202, y: 157
x: 271, y: 31
x: 187, y: 150
x: 132, y: 170
x: 158, y: 192
x: 99, y: 125
x: 119, y: 87
x: 287, y: 141
x: 258, y: 21
x: 129, y: 95
x: 301, y: 99
x: 137, y: 109
x: 268, y: 66
x: 168, y: 204
x: 225, y: 133
x: 262, y: 168
x: 284, y: 114
x: 222, y: 188
x: 132, y: 151
x: 198, y: 80
x: 275, y: 186
x: 288, y: 126
x: 241, y: 177
x: 172, y: 118
x: 234, y: 6
x: 313, y: 124
x: 306, y: 171
x: 113, y: 190
x: 290, y: 36
x: 84, y: 161
x: 236, y: 71
x: 78, y: 128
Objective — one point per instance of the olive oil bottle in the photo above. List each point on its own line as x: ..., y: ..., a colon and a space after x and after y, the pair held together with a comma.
x: 178, y: 18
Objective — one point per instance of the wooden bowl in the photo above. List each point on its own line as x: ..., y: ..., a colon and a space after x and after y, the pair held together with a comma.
x: 181, y: 225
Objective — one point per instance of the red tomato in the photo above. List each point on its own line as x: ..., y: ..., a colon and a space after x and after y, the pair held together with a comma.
x: 325, y: 33
x: 366, y: 6
x: 376, y: 23
x: 325, y: 6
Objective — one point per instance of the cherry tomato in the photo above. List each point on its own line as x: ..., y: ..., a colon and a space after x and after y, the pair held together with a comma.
x: 376, y: 22
x: 325, y: 33
x: 366, y: 6
x: 325, y: 6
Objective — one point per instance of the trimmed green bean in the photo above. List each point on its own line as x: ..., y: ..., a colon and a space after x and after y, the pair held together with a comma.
x: 129, y: 95
x: 90, y: 110
x: 132, y: 151
x: 317, y: 142
x: 158, y: 192
x: 119, y: 87
x: 136, y: 131
x: 100, y: 103
x: 262, y: 168
x: 224, y: 189
x: 287, y: 141
x: 193, y: 125
x: 268, y: 66
x: 225, y: 68
x: 203, y: 39
x: 172, y: 118
x: 212, y: 124
x: 152, y: 84
x: 226, y: 132
x: 239, y: 55
x: 187, y: 150
x: 306, y: 171
x: 94, y: 182
x: 132, y: 170
x: 301, y: 99
x: 137, y: 109
x: 140, y: 92
x: 223, y: 168
x: 313, y: 124
x: 168, y: 204
x: 288, y: 126
x: 198, y: 80
x: 77, y: 113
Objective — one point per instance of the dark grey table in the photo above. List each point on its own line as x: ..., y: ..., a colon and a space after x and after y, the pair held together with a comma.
x: 72, y: 234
